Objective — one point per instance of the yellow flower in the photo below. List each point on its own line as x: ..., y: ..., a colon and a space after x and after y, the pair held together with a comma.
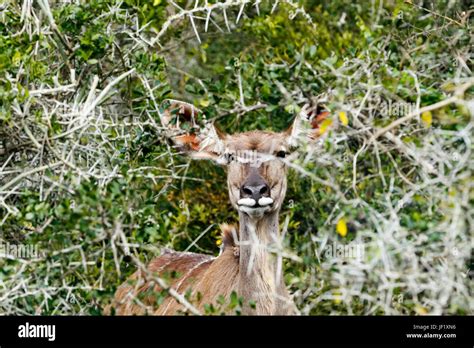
x: 341, y: 227
x: 28, y: 225
x: 337, y: 297
x: 218, y: 242
x: 16, y: 58
x: 204, y: 102
x: 343, y: 118
x: 427, y: 118
x: 324, y: 126
x: 421, y: 310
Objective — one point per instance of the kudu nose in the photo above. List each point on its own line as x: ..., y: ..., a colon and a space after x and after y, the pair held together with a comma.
x: 254, y: 191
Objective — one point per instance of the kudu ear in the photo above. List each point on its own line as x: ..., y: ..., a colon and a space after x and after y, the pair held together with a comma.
x: 190, y: 131
x: 307, y: 124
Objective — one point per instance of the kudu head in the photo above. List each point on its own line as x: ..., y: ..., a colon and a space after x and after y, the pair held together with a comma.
x: 256, y: 160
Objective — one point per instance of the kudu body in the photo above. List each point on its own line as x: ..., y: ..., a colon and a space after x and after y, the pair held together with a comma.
x: 256, y: 180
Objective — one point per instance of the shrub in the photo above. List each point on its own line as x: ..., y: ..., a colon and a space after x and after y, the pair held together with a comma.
x: 87, y: 177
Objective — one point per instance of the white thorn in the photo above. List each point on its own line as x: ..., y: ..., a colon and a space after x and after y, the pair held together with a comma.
x: 194, y: 27
x: 240, y: 13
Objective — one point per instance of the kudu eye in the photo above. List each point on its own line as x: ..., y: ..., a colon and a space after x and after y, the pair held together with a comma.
x: 281, y: 154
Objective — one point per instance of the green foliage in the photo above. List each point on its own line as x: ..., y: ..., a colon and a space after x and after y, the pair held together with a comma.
x: 112, y: 172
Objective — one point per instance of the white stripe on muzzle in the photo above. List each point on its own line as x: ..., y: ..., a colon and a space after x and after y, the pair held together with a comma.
x: 249, y: 202
x: 265, y: 201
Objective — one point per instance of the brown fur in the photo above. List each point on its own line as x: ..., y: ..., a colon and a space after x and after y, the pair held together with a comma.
x: 196, y: 272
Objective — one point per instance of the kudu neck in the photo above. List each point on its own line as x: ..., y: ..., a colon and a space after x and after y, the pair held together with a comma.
x: 262, y: 230
x: 258, y: 280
